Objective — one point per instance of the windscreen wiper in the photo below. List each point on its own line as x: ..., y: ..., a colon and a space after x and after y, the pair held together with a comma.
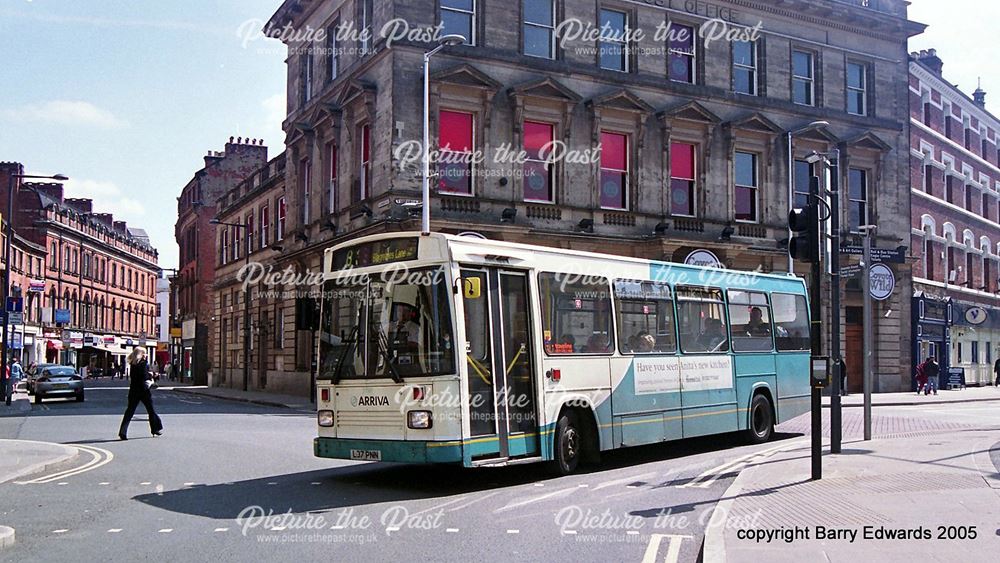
x: 382, y: 341
x: 351, y: 341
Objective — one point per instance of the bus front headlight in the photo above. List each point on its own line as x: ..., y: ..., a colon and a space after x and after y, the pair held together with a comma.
x: 419, y: 420
x: 325, y: 418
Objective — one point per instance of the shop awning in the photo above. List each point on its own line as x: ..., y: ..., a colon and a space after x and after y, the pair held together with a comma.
x: 104, y: 349
x: 53, y: 345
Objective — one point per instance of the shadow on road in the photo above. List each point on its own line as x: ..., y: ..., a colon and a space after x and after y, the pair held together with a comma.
x: 372, y: 483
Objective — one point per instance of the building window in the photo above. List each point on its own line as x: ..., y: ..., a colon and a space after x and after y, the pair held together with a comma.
x: 459, y: 17
x: 858, y: 210
x: 265, y: 224
x: 803, y: 174
x: 456, y: 142
x: 307, y: 76
x: 949, y: 183
x: 968, y: 198
x: 803, y: 76
x: 237, y: 247
x: 613, y: 43
x: 927, y: 114
x: 928, y: 179
x: 332, y: 204
x: 857, y: 89
x: 680, y: 57
x: 53, y: 257
x: 305, y: 179
x: 614, y: 170
x: 745, y: 67
x: 366, y: 9
x: 539, y: 28
x: 279, y: 225
x: 332, y: 52
x: 987, y: 273
x: 539, y: 174
x: 249, y: 222
x: 745, y: 165
x: 364, y: 163
x: 683, y: 170
x: 928, y: 257
x: 947, y: 122
x: 223, y: 251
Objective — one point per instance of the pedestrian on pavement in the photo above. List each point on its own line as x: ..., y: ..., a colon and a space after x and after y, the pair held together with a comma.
x: 843, y: 377
x: 931, y: 371
x: 16, y: 374
x: 921, y: 375
x: 996, y: 372
x: 139, y: 392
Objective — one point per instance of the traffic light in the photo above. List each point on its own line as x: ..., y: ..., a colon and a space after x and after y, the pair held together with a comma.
x: 805, y: 223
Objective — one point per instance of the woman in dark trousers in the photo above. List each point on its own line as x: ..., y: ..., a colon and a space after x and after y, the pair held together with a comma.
x: 138, y: 392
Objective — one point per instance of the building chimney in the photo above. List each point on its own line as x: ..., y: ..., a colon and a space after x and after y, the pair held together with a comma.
x: 930, y: 59
x: 121, y: 227
x: 80, y: 204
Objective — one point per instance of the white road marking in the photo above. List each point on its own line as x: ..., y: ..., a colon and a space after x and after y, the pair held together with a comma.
x: 513, y: 531
x: 539, y: 484
x: 166, y: 530
x: 452, y: 530
x: 632, y: 532
x: 706, y: 479
x: 63, y: 483
x: 673, y: 548
x: 624, y: 481
x: 315, y: 483
x: 539, y: 498
x: 104, y: 483
x: 59, y: 531
x: 99, y: 457
x: 222, y: 530
x: 439, y: 506
x: 570, y: 532
x: 146, y: 483
x: 272, y: 483
x: 278, y: 528
x: 188, y: 484
x: 474, y: 501
x: 114, y: 530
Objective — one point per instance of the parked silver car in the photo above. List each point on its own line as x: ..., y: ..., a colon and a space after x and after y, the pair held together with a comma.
x: 58, y: 381
x: 33, y: 373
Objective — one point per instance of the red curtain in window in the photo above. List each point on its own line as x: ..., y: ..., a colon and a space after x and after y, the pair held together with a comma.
x: 455, y: 140
x: 537, y: 176
x: 614, y: 170
x: 682, y: 171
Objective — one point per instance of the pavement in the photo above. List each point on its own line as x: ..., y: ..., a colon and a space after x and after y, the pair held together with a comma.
x: 938, y: 486
x: 293, y: 402
x: 944, y: 396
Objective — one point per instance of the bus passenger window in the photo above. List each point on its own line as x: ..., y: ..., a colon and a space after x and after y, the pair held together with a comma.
x: 750, y: 317
x: 791, y: 322
x: 701, y: 318
x: 645, y: 317
x: 576, y: 314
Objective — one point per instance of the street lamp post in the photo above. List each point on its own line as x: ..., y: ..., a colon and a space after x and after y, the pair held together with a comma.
x: 246, y: 302
x: 12, y: 185
x: 446, y: 41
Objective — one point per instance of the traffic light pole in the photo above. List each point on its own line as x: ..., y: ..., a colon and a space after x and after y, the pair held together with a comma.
x: 835, y: 388
x: 816, y: 334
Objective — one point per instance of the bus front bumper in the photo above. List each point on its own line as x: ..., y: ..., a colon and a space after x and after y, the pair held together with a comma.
x: 397, y: 451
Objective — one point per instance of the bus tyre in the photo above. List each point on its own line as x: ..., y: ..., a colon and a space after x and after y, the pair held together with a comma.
x: 568, y: 443
x: 761, y: 421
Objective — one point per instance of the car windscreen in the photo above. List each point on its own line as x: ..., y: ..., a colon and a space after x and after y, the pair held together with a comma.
x: 59, y: 371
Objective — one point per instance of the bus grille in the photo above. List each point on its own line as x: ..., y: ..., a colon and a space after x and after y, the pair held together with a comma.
x: 361, y: 420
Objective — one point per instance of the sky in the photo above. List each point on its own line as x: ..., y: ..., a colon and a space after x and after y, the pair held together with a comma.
x: 127, y: 96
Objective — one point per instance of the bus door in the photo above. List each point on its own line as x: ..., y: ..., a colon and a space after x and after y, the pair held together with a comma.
x: 499, y: 356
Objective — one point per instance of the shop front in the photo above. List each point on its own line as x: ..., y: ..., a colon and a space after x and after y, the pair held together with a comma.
x: 932, y: 320
x: 975, y: 335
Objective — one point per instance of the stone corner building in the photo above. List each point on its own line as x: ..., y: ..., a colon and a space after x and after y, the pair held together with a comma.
x: 693, y: 136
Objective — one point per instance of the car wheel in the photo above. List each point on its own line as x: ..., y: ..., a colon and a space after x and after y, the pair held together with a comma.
x: 38, y: 398
x: 79, y: 397
x: 761, y: 423
x: 568, y: 443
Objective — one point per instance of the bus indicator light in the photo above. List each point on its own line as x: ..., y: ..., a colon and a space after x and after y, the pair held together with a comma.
x: 324, y: 395
x: 419, y: 393
x: 555, y: 374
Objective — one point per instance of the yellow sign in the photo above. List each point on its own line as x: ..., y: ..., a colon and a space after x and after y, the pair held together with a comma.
x: 175, y: 333
x: 473, y: 288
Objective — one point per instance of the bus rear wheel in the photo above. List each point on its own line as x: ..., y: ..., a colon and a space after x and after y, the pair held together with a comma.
x: 761, y: 424
x: 568, y: 443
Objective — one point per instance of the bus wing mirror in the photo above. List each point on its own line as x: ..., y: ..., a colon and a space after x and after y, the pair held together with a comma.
x: 472, y: 288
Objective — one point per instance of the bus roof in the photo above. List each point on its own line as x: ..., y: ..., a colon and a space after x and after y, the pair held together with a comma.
x: 515, y: 246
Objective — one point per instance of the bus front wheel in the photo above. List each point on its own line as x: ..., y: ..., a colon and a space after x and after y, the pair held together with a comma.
x: 568, y: 443
x: 761, y: 426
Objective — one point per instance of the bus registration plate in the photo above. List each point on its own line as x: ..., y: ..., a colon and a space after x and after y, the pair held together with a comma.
x: 366, y: 455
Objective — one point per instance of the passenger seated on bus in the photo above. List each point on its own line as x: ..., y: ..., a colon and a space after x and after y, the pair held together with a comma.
x: 632, y: 344
x: 757, y: 326
x: 645, y: 343
x: 598, y: 343
x: 713, y: 336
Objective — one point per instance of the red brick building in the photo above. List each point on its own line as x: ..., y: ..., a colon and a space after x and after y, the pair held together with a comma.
x: 99, y: 276
x: 955, y: 186
x: 195, y: 236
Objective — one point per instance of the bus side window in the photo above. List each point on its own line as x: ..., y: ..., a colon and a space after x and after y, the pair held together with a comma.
x: 750, y: 317
x: 645, y: 317
x: 576, y: 315
x: 791, y: 322
x: 701, y: 318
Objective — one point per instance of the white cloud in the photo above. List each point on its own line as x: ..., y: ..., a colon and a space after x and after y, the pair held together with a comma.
x: 275, y: 110
x: 66, y: 112
x: 108, y: 198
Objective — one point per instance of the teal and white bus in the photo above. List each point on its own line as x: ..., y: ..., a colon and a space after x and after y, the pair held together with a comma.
x: 453, y: 349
